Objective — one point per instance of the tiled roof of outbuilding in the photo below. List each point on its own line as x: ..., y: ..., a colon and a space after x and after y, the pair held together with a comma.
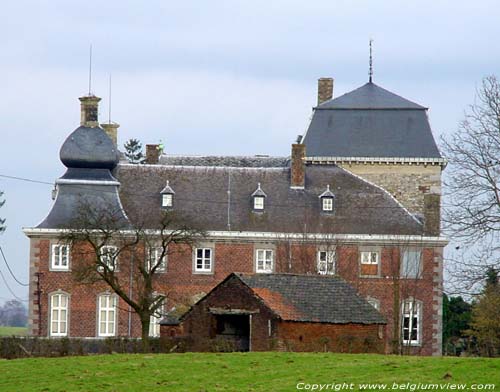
x: 201, y: 198
x: 312, y: 298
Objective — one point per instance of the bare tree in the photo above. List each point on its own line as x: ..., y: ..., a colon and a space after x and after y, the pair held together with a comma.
x: 2, y: 221
x: 127, y: 259
x: 472, y: 187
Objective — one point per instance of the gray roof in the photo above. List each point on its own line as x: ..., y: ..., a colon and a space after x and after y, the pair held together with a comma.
x: 370, y: 122
x: 312, y: 298
x: 201, y: 200
x: 225, y: 161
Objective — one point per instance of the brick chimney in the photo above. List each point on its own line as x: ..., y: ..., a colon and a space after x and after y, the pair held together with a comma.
x: 325, y: 89
x: 432, y: 214
x: 152, y: 154
x: 298, y: 170
x: 112, y: 130
x: 89, y: 111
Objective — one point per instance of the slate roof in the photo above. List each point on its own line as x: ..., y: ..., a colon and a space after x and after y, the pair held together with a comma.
x: 370, y: 122
x: 201, y: 199
x: 225, y: 161
x: 312, y: 298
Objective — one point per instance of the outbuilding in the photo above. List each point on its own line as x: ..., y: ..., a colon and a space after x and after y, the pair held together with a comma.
x: 263, y: 312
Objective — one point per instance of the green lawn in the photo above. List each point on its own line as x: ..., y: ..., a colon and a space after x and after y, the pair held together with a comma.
x: 240, y: 372
x: 10, y: 331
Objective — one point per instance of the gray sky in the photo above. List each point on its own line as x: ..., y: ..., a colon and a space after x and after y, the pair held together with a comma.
x: 218, y: 77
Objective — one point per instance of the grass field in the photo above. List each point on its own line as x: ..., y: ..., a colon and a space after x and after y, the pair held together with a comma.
x: 244, y: 372
x: 10, y: 331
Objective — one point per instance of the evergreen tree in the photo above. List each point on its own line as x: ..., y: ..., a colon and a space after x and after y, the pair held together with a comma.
x: 2, y: 221
x: 133, y: 151
x: 456, y: 321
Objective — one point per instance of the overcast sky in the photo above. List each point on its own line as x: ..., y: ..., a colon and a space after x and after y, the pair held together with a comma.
x: 215, y: 77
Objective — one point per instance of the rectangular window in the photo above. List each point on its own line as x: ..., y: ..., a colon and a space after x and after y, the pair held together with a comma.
x: 167, y: 200
x: 203, y: 262
x: 264, y: 261
x: 107, y: 315
x: 58, y: 315
x: 258, y: 203
x: 153, y: 259
x: 108, y: 257
x: 154, y: 321
x: 60, y: 257
x: 369, y: 263
x: 410, y: 322
x: 327, y: 203
x: 411, y: 264
x: 326, y: 262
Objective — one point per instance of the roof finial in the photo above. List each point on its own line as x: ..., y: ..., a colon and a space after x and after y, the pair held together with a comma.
x: 109, y: 108
x: 370, y: 73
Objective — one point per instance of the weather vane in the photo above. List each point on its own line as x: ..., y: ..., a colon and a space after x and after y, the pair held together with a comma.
x: 370, y: 72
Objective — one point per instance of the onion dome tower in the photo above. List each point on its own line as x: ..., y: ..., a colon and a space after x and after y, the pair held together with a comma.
x: 88, y: 186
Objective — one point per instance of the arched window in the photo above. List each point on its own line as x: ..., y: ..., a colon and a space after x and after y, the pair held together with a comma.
x: 106, y: 314
x: 411, y: 321
x: 59, y: 304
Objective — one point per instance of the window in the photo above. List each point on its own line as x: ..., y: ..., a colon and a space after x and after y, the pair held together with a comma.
x: 108, y: 257
x: 373, y: 302
x: 326, y: 262
x: 264, y: 262
x: 167, y: 200
x: 327, y: 204
x: 60, y: 257
x: 203, y: 262
x: 411, y: 322
x: 153, y: 257
x: 369, y: 260
x: 107, y: 315
x: 258, y: 202
x: 154, y: 321
x: 411, y: 265
x: 59, y: 314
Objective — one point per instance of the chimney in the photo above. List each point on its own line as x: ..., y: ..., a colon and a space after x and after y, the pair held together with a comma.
x: 432, y: 214
x: 89, y: 111
x: 298, y: 170
x: 325, y: 89
x: 111, y: 130
x: 152, y: 154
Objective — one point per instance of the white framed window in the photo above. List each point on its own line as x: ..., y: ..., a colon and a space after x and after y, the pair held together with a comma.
x: 59, y: 314
x: 107, y: 315
x: 167, y: 200
x: 369, y: 257
x: 327, y: 204
x: 108, y: 256
x: 410, y: 321
x: 258, y: 202
x: 373, y: 302
x: 264, y: 262
x: 411, y: 263
x: 326, y: 262
x: 60, y: 257
x: 203, y: 260
x: 153, y: 257
x: 154, y: 321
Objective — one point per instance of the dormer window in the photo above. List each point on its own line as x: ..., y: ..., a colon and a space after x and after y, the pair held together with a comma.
x: 167, y: 197
x: 327, y: 200
x: 259, y: 198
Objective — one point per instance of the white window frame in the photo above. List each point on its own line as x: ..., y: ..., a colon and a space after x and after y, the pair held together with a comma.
x: 411, y: 309
x: 409, y: 273
x: 110, y: 262
x: 329, y: 258
x: 327, y: 204
x: 60, y: 253
x: 367, y: 257
x: 264, y: 261
x: 58, y: 314
x: 154, y: 321
x: 153, y: 254
x: 373, y: 302
x: 203, y: 260
x: 258, y: 203
x: 167, y: 200
x: 110, y: 310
